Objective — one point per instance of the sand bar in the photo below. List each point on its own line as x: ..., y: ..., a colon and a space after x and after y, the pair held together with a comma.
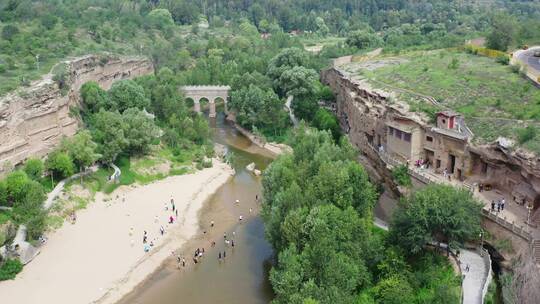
x: 96, y: 260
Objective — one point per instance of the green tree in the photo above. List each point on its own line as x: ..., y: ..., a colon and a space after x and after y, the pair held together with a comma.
x: 435, y: 213
x: 29, y: 211
x: 125, y: 94
x: 299, y: 82
x: 260, y: 108
x: 60, y: 164
x: 94, y: 97
x: 108, y: 132
x: 9, y: 31
x: 160, y: 18
x: 363, y: 40
x: 325, y: 120
x: 16, y: 183
x: 285, y: 60
x: 503, y: 30
x: 394, y: 290
x: 82, y: 149
x: 140, y: 131
x: 305, y: 107
x: 34, y: 168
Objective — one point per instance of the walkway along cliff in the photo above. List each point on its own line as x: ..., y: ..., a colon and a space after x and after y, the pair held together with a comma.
x: 34, y: 119
x: 387, y: 134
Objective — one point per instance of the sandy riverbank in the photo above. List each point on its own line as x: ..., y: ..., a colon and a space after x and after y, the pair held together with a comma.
x: 98, y: 259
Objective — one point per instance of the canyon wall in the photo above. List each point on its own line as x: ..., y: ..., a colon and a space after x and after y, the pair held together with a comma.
x: 33, y: 120
x: 366, y: 114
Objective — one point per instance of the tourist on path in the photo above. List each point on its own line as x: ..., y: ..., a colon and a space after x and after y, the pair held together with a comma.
x: 492, y: 205
x: 502, y: 204
x: 219, y: 256
x: 161, y: 230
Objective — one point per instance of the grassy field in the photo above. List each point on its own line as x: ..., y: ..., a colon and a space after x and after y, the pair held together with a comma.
x: 495, y: 99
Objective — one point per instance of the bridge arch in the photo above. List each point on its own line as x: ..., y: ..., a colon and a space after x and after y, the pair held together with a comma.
x: 211, y: 93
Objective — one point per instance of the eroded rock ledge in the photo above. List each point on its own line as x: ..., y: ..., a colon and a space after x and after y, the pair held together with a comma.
x: 34, y: 119
x: 371, y: 118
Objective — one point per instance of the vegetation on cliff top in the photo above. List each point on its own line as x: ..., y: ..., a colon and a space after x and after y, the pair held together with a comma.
x: 494, y: 99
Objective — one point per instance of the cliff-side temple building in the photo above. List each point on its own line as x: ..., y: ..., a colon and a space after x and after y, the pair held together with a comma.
x: 376, y: 122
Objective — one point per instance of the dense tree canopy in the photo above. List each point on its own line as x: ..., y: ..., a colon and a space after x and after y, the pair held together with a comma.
x: 436, y: 213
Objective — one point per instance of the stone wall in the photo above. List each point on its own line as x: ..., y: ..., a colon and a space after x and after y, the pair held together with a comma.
x: 33, y: 120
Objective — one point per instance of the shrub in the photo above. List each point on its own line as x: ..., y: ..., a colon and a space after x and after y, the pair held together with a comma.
x: 60, y: 164
x: 10, y: 269
x: 33, y: 168
x: 60, y: 76
x: 401, y: 175
x: 515, y: 68
x: 526, y: 134
x: 503, y: 59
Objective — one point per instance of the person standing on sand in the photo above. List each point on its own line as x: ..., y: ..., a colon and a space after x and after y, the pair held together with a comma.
x: 219, y: 256
x: 212, y: 223
x: 224, y: 254
x: 171, y: 219
x: 161, y: 230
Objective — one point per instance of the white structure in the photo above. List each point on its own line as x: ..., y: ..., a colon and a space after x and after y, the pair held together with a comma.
x: 209, y: 92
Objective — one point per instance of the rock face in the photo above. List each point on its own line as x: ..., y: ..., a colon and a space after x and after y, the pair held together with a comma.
x: 371, y: 118
x: 33, y: 120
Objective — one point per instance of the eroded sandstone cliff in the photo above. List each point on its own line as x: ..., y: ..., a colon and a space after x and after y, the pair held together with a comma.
x: 33, y: 120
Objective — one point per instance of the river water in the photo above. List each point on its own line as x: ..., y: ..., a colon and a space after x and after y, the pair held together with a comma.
x: 241, y: 277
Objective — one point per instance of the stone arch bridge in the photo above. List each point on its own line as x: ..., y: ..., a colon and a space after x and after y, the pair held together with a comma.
x: 212, y: 93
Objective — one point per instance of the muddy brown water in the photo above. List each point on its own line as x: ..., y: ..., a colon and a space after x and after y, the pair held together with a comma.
x: 241, y: 277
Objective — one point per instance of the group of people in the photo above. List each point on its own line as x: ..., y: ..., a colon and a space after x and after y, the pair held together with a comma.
x: 422, y: 163
x: 499, y: 204
x: 147, y: 245
x: 229, y: 242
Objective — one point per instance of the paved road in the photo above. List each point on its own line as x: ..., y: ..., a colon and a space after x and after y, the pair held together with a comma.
x: 527, y: 57
x: 473, y: 282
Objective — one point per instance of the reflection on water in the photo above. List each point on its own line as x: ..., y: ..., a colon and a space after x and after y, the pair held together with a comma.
x: 243, y: 276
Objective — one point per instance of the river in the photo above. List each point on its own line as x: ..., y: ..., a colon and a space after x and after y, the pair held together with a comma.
x: 241, y: 277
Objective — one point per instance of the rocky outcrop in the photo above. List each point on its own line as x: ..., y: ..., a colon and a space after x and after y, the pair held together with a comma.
x: 365, y: 112
x: 34, y: 119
